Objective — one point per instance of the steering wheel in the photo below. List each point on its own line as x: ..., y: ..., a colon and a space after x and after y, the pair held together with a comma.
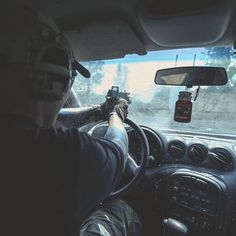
x: 131, y: 166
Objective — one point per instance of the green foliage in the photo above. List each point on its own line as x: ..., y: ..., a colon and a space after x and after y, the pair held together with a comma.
x: 231, y: 71
x: 84, y: 88
x: 219, y: 56
x: 222, y: 57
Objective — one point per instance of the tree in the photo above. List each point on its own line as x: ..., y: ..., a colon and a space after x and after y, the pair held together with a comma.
x: 219, y: 56
x: 84, y: 87
x: 223, y: 57
x: 120, y: 78
x: 232, y: 75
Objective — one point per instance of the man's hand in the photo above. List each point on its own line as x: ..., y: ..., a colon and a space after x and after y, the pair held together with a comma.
x: 118, y: 105
x: 121, y: 108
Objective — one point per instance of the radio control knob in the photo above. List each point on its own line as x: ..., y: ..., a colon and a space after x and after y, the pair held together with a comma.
x: 204, y: 224
x: 175, y: 188
x: 174, y: 198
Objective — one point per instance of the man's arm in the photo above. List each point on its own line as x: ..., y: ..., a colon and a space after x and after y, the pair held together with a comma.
x: 100, y: 161
x: 117, y: 134
x: 114, y: 111
x: 77, y: 117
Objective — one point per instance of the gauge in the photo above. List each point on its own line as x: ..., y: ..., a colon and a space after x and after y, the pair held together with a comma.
x: 155, y: 146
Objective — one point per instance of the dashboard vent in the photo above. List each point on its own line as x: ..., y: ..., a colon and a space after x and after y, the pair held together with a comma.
x: 221, y: 158
x: 177, y: 149
x: 197, y: 152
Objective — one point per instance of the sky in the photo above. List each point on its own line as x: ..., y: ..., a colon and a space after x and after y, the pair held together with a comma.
x: 142, y: 70
x: 165, y: 55
x: 140, y: 77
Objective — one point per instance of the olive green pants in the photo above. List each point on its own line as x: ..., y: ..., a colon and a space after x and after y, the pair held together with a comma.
x: 113, y: 218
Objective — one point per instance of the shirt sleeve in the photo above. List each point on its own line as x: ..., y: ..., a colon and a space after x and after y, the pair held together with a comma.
x: 97, y: 165
x: 102, y: 157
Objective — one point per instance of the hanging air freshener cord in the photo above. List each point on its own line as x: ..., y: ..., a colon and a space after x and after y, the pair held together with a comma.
x: 197, y: 92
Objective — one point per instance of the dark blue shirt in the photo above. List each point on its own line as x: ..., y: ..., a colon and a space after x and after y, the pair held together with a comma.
x: 51, y: 179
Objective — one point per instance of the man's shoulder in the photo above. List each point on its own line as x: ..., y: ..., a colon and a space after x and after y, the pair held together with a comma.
x: 89, y: 146
x: 72, y: 134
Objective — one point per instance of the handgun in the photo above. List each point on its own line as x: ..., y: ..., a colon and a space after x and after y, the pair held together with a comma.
x: 114, y: 93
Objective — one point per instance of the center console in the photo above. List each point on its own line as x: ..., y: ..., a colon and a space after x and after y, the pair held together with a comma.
x: 197, y: 201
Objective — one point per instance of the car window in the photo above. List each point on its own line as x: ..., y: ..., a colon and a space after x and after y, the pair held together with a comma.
x: 214, y: 111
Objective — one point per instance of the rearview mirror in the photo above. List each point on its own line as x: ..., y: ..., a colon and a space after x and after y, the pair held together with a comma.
x: 192, y: 76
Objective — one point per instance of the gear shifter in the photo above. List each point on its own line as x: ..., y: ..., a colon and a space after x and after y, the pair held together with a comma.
x: 173, y: 227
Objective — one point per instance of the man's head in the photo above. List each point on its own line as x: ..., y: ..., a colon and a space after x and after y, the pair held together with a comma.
x: 36, y: 60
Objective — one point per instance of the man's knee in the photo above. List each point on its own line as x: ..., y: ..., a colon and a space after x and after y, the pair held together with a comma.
x: 113, y: 218
x: 95, y: 228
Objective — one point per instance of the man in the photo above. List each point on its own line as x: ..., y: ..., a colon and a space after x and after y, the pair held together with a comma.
x: 53, y: 181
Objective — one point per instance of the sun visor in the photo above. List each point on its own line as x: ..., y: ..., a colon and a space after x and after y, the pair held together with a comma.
x: 105, y: 40
x: 184, y: 26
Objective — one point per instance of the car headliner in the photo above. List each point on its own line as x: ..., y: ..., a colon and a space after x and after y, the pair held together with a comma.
x: 106, y: 29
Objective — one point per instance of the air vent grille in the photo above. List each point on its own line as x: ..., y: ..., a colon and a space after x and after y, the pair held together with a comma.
x: 221, y: 158
x: 177, y: 149
x: 197, y: 152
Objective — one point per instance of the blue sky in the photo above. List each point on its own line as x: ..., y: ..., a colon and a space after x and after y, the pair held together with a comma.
x: 165, y: 55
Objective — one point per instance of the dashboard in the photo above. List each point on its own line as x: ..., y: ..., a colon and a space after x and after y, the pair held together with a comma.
x: 192, y: 178
x: 190, y: 149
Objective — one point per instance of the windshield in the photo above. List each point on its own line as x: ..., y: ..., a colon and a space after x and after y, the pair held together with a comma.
x: 214, y: 110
